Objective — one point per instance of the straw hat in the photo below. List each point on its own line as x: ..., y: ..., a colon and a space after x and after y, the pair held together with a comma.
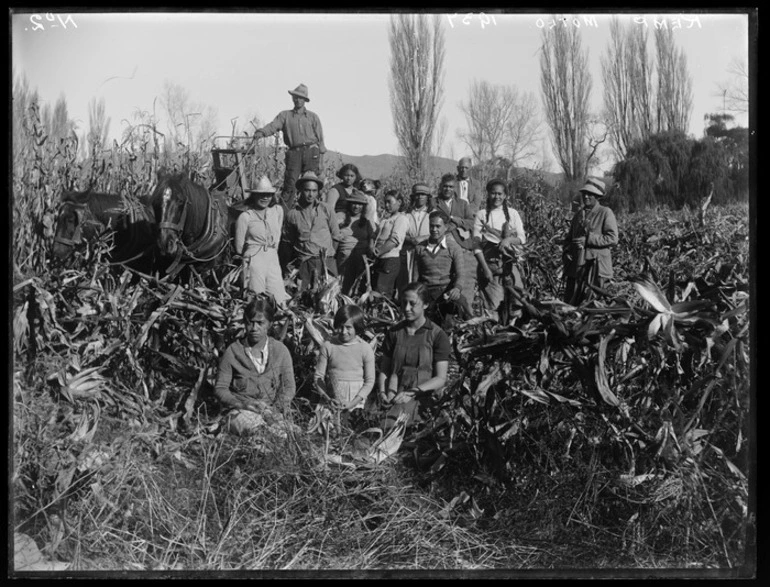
x: 263, y: 187
x: 300, y: 91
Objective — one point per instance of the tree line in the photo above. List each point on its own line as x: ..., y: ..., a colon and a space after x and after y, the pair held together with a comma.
x: 646, y: 113
x: 647, y: 106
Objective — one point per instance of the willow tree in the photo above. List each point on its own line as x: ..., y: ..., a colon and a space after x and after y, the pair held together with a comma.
x: 416, y: 85
x: 566, y: 86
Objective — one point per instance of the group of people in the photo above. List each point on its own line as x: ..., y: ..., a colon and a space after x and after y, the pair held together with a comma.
x: 255, y: 382
x: 432, y: 253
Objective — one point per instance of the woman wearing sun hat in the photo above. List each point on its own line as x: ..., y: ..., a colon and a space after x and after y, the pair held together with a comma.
x: 257, y: 236
x: 592, y: 234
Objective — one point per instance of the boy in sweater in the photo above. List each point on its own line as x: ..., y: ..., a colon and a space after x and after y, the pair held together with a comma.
x: 440, y: 266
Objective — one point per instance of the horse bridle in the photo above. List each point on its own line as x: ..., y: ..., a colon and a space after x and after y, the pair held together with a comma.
x: 76, y: 237
x: 175, y: 226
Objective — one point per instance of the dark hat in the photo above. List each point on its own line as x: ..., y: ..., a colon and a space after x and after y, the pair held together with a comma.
x: 357, y: 197
x: 300, y: 91
x: 367, y: 185
x: 309, y: 176
x: 420, y: 188
x: 594, y: 186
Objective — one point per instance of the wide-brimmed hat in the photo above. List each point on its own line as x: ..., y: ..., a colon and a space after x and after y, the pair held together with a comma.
x: 263, y: 187
x: 420, y: 188
x: 300, y: 91
x: 357, y: 197
x: 309, y: 176
x: 594, y: 186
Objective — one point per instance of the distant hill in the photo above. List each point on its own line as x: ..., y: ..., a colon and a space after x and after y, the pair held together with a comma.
x: 381, y: 166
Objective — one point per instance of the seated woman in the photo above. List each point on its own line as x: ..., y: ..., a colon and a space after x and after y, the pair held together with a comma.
x: 255, y: 382
x: 356, y: 234
x: 415, y: 359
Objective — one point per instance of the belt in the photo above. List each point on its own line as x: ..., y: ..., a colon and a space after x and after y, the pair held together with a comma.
x: 302, y: 146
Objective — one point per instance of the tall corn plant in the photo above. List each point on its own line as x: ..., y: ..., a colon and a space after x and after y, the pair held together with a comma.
x: 43, y: 168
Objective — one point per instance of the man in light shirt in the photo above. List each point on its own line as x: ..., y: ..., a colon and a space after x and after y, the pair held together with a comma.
x: 469, y: 189
x: 304, y: 139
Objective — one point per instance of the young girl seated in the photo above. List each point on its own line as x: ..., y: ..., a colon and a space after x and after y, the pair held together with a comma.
x: 345, y: 367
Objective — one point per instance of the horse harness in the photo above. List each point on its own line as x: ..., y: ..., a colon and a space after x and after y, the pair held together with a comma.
x: 84, y: 217
x: 200, y: 249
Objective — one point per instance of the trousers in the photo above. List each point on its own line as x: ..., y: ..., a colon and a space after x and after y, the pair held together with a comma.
x: 298, y: 161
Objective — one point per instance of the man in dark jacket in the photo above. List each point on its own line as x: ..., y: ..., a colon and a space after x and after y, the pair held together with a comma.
x: 592, y: 234
x: 460, y: 226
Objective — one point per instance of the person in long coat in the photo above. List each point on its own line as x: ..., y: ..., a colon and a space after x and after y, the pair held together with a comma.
x: 588, y: 255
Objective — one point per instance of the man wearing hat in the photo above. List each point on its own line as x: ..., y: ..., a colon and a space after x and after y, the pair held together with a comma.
x: 304, y: 139
x: 593, y: 231
x: 469, y: 189
x: 313, y: 232
x: 257, y: 235
x: 460, y: 216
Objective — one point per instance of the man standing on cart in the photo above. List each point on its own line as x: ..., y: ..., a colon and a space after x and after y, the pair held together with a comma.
x: 303, y: 135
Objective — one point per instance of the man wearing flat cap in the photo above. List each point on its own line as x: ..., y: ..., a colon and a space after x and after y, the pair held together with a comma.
x: 468, y: 189
x: 313, y: 232
x: 593, y: 232
x: 304, y: 139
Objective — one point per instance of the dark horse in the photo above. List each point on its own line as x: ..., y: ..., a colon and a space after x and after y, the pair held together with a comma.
x: 84, y: 216
x: 193, y: 224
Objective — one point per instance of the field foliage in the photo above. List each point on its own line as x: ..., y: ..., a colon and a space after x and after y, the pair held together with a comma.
x: 612, y: 435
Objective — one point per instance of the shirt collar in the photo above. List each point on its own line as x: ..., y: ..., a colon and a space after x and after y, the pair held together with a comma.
x: 441, y: 243
x: 300, y: 110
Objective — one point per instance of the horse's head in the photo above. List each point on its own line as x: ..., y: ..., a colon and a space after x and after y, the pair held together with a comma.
x: 69, y: 230
x: 170, y: 202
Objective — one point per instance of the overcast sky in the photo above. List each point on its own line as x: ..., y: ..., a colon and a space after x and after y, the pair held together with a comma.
x: 244, y: 64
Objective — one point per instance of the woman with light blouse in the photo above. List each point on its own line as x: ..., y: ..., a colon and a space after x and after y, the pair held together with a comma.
x: 257, y: 236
